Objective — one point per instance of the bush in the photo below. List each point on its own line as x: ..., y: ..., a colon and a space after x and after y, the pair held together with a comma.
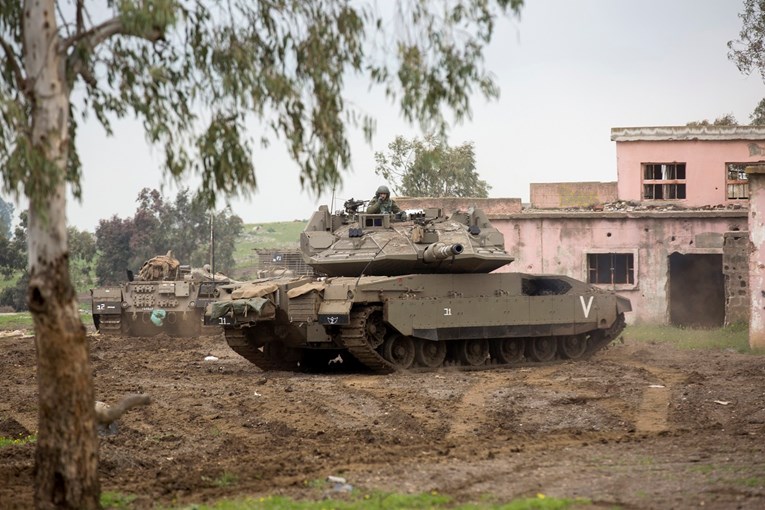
x: 16, y: 297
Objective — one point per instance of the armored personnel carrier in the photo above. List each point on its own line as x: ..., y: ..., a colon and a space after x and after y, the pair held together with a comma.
x: 165, y: 297
x: 413, y: 290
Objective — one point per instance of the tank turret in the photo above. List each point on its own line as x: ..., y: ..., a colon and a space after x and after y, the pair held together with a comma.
x: 352, y: 243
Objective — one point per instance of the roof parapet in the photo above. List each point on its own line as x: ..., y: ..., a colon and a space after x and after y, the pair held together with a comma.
x: 680, y: 133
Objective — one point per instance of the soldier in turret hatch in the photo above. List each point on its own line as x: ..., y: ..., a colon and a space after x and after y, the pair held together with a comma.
x: 382, y: 203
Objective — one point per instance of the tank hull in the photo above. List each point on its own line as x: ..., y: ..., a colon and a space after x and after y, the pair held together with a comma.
x: 421, y: 321
x: 148, y: 308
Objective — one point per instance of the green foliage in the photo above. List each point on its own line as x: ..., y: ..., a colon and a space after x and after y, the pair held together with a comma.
x: 726, y: 120
x: 748, y: 52
x: 13, y: 251
x: 158, y: 226
x: 82, y: 258
x: 6, y: 219
x: 195, y: 72
x: 735, y: 336
x: 8, y: 441
x: 13, y: 266
x: 758, y: 115
x: 116, y: 500
x: 15, y: 295
x: 430, y: 168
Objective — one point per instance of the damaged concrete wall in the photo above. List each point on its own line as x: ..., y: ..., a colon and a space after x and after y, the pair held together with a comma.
x: 736, y: 271
x: 559, y: 243
x: 491, y: 206
x: 560, y: 195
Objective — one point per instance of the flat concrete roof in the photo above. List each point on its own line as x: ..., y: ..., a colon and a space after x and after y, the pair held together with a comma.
x: 681, y: 133
x: 674, y: 215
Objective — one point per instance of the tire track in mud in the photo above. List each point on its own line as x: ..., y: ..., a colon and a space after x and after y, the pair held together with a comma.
x: 470, y: 412
x: 397, y: 405
x: 652, y: 415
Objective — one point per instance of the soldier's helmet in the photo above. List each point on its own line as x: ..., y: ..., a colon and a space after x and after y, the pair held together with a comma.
x: 383, y: 189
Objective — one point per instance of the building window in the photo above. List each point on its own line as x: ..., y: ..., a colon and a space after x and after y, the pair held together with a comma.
x: 611, y: 268
x: 663, y: 181
x: 738, y: 185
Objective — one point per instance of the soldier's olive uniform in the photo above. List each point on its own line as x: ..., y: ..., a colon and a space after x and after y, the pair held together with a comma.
x: 386, y: 206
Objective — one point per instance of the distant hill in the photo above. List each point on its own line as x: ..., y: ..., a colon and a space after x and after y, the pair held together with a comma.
x: 269, y: 236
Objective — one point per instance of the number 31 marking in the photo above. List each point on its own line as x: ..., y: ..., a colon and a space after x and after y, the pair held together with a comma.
x: 447, y: 311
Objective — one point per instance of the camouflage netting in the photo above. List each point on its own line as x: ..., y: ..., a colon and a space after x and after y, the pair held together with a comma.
x: 161, y: 267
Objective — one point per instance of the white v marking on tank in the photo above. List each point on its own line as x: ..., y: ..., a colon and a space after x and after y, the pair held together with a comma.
x: 586, y: 308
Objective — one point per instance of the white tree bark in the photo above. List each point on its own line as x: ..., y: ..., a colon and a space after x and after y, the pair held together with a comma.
x: 67, y: 448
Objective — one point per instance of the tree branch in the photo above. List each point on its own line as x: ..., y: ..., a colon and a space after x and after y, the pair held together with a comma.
x: 107, y: 29
x: 79, y: 16
x: 95, y: 36
x: 21, y: 82
x: 106, y: 414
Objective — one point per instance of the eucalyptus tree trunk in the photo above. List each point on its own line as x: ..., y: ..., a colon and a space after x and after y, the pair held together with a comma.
x: 67, y: 444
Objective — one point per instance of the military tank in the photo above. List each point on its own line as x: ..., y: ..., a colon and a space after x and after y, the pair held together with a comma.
x: 165, y: 297
x: 413, y: 291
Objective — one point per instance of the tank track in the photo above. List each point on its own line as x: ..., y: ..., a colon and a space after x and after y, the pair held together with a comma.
x: 110, y: 325
x: 353, y: 337
x: 258, y: 355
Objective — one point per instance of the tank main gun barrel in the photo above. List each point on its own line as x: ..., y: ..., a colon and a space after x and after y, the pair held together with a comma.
x: 441, y: 251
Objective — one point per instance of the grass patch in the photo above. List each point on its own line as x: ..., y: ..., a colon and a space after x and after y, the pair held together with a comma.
x: 383, y: 501
x: 734, y: 337
x: 18, y: 320
x: 753, y: 482
x: 225, y: 479
x: 116, y: 500
x: 23, y: 320
x: 8, y: 441
x: 11, y: 281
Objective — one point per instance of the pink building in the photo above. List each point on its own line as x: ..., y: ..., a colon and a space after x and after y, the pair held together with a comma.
x: 670, y: 234
x: 687, y: 166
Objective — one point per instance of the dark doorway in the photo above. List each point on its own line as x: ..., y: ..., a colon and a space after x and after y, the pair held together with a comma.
x: 696, y: 290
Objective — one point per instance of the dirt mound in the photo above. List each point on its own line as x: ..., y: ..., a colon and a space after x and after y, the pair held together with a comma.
x: 639, y: 426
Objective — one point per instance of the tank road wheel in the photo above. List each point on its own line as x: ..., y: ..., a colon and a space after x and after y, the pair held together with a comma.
x: 399, y: 351
x: 508, y: 350
x: 573, y: 346
x: 428, y: 353
x: 542, y: 348
x: 375, y: 330
x: 474, y: 351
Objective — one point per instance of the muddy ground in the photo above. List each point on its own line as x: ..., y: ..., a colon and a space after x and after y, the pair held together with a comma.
x: 638, y: 426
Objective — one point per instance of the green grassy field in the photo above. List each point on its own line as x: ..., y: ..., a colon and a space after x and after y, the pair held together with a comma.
x: 734, y: 337
x: 278, y: 235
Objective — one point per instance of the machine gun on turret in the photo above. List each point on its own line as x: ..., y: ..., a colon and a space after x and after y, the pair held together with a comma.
x: 352, y: 206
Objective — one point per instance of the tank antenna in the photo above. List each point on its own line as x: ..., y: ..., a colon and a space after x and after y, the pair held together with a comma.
x: 212, y: 246
x: 372, y: 260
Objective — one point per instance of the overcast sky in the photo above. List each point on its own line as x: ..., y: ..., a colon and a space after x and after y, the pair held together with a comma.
x: 569, y: 71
